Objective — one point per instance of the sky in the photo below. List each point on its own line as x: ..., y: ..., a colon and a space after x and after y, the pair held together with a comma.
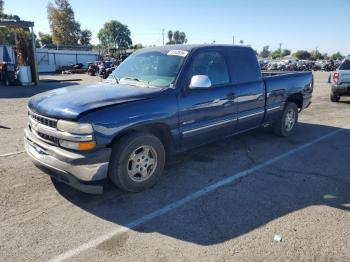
x: 297, y: 24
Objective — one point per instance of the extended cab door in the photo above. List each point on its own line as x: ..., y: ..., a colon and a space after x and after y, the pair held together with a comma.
x: 248, y: 87
x: 207, y: 113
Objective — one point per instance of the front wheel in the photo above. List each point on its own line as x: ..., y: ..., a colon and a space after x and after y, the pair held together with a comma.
x: 285, y: 125
x: 137, y: 162
x: 335, y: 98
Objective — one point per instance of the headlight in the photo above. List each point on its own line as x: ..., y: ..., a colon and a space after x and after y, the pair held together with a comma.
x: 74, y: 127
x: 78, y: 145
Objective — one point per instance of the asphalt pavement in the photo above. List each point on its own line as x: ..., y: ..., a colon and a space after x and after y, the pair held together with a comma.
x: 225, y: 201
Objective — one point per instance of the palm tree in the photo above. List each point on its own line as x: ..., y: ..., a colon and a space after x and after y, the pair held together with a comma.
x: 177, y: 37
x: 170, y: 35
x: 182, y: 38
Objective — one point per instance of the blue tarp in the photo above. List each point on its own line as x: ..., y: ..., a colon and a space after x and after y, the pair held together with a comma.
x: 5, y: 55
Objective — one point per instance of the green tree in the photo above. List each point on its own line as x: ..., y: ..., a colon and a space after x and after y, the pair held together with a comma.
x: 2, y: 7
x: 279, y: 54
x: 302, y: 54
x: 285, y: 52
x: 45, y: 39
x: 316, y: 55
x: 276, y: 54
x: 265, y: 52
x: 7, y: 34
x: 337, y: 56
x: 64, y: 29
x: 85, y: 37
x: 115, y: 34
x: 138, y: 46
x: 6, y: 16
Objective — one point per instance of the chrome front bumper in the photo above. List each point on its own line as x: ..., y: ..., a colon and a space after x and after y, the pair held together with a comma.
x: 72, y: 168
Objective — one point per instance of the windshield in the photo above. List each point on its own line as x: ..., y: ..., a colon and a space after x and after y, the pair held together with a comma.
x: 151, y: 69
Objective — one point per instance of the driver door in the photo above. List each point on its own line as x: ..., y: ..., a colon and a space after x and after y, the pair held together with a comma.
x: 207, y: 113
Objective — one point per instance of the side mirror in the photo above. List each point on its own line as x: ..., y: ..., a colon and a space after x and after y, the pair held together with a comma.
x: 200, y: 81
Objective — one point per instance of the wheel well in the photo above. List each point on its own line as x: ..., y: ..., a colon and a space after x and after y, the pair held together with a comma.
x: 159, y: 130
x: 296, y: 99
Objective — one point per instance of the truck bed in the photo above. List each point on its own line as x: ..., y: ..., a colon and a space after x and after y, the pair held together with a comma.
x: 287, y: 80
x: 280, y: 84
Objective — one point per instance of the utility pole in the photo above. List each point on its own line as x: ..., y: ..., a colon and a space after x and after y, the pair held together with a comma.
x: 163, y: 35
x: 233, y: 40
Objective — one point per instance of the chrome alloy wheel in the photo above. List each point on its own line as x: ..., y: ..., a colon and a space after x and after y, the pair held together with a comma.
x: 290, y: 120
x: 142, y: 163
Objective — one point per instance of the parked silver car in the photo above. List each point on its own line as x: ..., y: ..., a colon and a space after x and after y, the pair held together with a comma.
x: 341, y: 81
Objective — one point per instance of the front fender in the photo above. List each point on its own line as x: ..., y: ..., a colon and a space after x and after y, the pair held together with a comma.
x: 111, y: 121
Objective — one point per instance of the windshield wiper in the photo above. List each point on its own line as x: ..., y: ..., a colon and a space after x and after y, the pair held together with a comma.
x: 134, y: 79
x: 116, y: 78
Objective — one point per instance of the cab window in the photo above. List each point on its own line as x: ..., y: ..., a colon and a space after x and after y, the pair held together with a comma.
x: 211, y: 64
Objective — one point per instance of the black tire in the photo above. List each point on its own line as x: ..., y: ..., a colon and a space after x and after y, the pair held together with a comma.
x: 334, y: 98
x: 280, y: 128
x: 120, y: 162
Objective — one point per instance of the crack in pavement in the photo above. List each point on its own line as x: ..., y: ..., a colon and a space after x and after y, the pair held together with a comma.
x: 13, y: 153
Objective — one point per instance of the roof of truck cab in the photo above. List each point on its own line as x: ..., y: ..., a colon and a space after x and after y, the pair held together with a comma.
x: 167, y: 48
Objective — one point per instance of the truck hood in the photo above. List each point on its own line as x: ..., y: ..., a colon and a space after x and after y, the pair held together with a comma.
x: 70, y: 102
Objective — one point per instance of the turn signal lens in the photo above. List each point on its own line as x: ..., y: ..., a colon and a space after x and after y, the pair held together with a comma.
x: 87, y: 145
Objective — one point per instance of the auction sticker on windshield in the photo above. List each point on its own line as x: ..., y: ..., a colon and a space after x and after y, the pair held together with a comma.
x: 178, y: 52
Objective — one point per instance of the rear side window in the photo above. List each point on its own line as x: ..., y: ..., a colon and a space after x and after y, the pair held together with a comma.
x: 212, y: 64
x: 244, y: 65
x: 345, y: 65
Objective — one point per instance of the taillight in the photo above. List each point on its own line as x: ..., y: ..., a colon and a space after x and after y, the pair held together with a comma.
x: 335, y: 77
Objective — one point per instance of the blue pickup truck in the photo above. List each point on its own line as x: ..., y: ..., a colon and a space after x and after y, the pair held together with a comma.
x: 159, y: 101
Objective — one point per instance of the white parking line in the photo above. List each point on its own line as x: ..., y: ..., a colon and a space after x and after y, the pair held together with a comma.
x: 204, y: 191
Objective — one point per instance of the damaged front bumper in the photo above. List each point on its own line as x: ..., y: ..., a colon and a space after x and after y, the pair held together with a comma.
x: 76, y: 169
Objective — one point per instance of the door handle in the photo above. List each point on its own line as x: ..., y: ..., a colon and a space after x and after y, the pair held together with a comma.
x: 231, y: 96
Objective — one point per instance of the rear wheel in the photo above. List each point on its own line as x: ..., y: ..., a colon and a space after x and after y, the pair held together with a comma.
x: 285, y: 125
x: 334, y: 98
x: 137, y: 162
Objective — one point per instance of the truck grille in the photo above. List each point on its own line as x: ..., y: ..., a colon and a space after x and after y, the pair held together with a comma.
x: 46, y: 121
x: 45, y: 129
x: 43, y: 120
x: 48, y: 138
